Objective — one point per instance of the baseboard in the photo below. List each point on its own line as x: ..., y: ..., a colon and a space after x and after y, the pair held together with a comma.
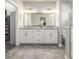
x: 66, y: 57
x: 59, y: 45
x: 17, y: 44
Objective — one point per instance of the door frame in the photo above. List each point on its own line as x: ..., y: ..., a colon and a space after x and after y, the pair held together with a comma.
x: 16, y: 19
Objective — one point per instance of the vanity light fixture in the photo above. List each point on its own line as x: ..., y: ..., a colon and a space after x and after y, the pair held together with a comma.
x: 30, y: 10
x: 49, y: 11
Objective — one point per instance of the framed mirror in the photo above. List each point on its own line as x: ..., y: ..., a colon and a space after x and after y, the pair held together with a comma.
x: 39, y: 19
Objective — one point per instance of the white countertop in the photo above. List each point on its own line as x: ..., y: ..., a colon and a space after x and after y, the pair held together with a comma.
x: 38, y: 28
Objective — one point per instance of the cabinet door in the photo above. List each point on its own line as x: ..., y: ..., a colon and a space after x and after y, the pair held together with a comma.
x: 51, y: 36
x: 26, y: 36
x: 54, y: 37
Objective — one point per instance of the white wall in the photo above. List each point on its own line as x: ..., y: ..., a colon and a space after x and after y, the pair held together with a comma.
x: 20, y: 11
x: 40, y: 5
x: 66, y: 22
x: 65, y: 13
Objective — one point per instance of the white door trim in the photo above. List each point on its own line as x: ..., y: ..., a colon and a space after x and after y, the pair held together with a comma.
x: 16, y: 20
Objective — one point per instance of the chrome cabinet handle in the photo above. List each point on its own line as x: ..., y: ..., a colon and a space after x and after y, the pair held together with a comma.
x: 50, y: 34
x: 38, y: 40
x: 26, y: 34
x: 38, y: 34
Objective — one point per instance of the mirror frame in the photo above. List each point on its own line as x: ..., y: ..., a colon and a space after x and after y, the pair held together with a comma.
x: 39, y: 13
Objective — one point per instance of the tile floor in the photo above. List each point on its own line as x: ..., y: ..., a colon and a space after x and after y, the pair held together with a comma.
x: 35, y: 52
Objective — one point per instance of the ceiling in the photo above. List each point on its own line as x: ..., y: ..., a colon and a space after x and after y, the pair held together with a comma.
x: 10, y: 8
x: 40, y: 5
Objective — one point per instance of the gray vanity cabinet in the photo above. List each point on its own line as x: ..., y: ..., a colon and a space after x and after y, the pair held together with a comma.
x: 39, y: 36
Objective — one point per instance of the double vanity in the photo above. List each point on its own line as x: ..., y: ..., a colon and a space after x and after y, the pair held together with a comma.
x: 39, y: 28
x: 38, y: 35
